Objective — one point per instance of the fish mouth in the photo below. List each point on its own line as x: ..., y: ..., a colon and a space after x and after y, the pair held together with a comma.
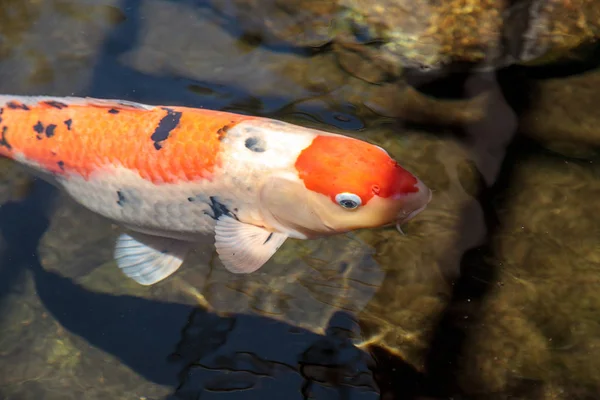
x: 403, y: 217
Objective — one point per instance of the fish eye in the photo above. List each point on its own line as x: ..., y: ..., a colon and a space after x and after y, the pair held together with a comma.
x: 348, y: 200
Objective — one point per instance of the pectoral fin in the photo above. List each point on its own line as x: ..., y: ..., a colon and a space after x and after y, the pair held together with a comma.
x: 149, y: 259
x: 244, y: 248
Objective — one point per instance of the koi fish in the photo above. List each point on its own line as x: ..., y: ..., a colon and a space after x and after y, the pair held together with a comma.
x: 172, y: 175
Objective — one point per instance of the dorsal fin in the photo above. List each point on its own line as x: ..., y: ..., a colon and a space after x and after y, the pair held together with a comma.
x: 82, y: 101
x: 122, y: 104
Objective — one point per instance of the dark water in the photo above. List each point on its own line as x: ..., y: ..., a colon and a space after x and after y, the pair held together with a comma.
x: 492, y: 294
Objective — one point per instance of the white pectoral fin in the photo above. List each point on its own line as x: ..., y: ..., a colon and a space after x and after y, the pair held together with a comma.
x: 244, y: 248
x: 149, y: 259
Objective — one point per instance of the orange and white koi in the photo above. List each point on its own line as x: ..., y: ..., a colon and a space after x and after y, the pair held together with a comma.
x: 172, y: 175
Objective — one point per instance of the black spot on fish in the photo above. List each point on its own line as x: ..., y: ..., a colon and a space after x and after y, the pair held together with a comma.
x: 219, y: 209
x: 39, y: 127
x: 121, y: 197
x: 113, y: 111
x: 3, y: 141
x: 268, y: 238
x: 255, y: 144
x: 1, y: 111
x: 61, y: 165
x: 197, y: 198
x: 15, y: 106
x: 165, y: 126
x: 127, y: 197
x: 50, y: 130
x: 68, y: 123
x: 222, y: 132
x: 56, y: 104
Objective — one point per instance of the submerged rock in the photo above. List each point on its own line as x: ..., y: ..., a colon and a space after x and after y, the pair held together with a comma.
x: 538, y: 336
x: 15, y: 181
x: 39, y: 50
x: 555, y: 29
x: 563, y: 114
x: 420, y: 266
x: 378, y: 39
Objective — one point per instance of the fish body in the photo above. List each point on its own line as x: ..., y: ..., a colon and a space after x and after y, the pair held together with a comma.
x: 171, y: 175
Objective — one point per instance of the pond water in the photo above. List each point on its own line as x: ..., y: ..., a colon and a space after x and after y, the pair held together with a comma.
x: 492, y: 293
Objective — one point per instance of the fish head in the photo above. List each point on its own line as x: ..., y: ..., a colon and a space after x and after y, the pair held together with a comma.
x: 342, y: 184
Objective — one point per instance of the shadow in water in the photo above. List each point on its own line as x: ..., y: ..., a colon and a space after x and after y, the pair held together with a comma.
x: 139, y: 332
x: 188, y: 348
x: 112, y: 79
x: 498, y: 146
x: 491, y: 141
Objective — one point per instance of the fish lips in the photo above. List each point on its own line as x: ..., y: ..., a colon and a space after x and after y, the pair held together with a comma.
x: 404, y: 217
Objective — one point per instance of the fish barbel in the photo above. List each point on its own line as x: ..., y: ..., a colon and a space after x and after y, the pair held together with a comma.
x: 170, y: 175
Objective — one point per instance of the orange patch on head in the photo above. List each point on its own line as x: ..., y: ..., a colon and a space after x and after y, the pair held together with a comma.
x: 332, y: 165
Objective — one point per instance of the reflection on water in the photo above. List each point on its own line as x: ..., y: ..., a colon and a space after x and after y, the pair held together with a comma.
x: 491, y: 292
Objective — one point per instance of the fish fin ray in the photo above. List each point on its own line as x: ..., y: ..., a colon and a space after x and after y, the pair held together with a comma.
x: 149, y: 259
x: 120, y: 104
x: 244, y: 248
x: 70, y: 100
